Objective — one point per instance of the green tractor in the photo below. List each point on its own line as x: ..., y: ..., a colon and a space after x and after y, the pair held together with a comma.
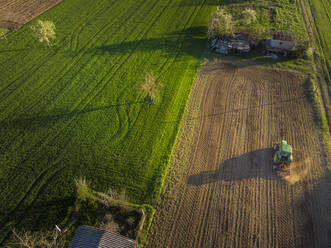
x: 282, y: 156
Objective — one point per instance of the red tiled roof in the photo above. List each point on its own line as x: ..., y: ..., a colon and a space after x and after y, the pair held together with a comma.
x: 283, y: 36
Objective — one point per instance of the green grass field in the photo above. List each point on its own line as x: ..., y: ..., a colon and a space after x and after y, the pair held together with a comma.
x: 318, y: 17
x: 76, y: 109
x: 321, y: 10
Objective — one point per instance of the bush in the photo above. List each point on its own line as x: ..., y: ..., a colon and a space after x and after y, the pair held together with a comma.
x: 248, y: 16
x: 82, y: 189
x: 150, y: 87
x: 300, y: 50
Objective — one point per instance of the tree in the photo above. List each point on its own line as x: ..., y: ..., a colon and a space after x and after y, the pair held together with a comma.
x: 221, y: 24
x: 149, y: 86
x: 248, y: 16
x: 300, y: 49
x: 82, y: 189
x: 44, y: 31
x: 258, y: 31
x: 3, y: 35
x: 248, y: 23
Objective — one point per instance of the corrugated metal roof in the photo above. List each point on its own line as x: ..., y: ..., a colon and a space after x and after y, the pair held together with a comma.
x: 91, y: 237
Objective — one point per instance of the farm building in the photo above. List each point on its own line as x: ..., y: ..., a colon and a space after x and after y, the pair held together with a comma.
x: 281, y: 41
x: 91, y: 237
x: 230, y: 46
x: 240, y: 46
x: 244, y: 36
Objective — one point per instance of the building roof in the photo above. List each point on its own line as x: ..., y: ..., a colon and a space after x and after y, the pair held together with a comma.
x: 91, y: 237
x: 283, y: 36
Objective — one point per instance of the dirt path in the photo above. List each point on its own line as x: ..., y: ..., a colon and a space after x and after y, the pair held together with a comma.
x: 15, y: 13
x: 221, y: 190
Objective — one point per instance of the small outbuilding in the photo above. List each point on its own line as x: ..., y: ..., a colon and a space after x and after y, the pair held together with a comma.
x: 240, y: 46
x: 91, y: 237
x: 222, y: 47
x: 230, y: 46
x: 282, y: 41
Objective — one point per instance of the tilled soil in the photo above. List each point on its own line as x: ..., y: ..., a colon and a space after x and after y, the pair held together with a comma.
x: 15, y: 13
x: 221, y: 190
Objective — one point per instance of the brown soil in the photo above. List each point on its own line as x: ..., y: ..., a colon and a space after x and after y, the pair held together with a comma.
x: 15, y: 13
x: 221, y: 190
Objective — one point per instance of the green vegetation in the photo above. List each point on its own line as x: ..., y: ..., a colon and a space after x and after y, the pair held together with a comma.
x: 76, y: 109
x: 321, y: 10
x: 317, y: 20
x: 272, y: 15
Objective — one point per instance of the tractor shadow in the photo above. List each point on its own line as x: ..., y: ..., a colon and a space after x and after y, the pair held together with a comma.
x: 255, y: 164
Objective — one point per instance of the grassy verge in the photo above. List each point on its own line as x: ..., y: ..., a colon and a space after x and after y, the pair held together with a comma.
x: 76, y: 109
x: 314, y: 93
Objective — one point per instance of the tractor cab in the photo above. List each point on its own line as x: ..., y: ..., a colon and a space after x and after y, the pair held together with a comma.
x: 282, y: 156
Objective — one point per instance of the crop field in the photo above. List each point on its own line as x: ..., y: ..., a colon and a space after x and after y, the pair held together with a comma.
x: 221, y: 190
x: 15, y: 13
x: 76, y: 109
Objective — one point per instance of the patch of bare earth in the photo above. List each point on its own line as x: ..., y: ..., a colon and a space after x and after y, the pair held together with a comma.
x: 15, y: 13
x: 221, y: 190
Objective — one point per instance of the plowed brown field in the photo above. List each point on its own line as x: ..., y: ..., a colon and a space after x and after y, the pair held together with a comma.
x: 15, y: 13
x: 221, y: 190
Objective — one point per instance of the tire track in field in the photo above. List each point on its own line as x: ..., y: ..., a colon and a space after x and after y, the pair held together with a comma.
x: 220, y: 190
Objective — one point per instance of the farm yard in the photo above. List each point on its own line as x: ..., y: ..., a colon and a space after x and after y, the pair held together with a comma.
x: 77, y: 109
x: 129, y: 97
x: 221, y: 190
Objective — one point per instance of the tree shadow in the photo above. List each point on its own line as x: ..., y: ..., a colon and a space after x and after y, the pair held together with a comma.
x: 249, y: 165
x: 185, y: 41
x: 44, y: 120
x: 21, y: 49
